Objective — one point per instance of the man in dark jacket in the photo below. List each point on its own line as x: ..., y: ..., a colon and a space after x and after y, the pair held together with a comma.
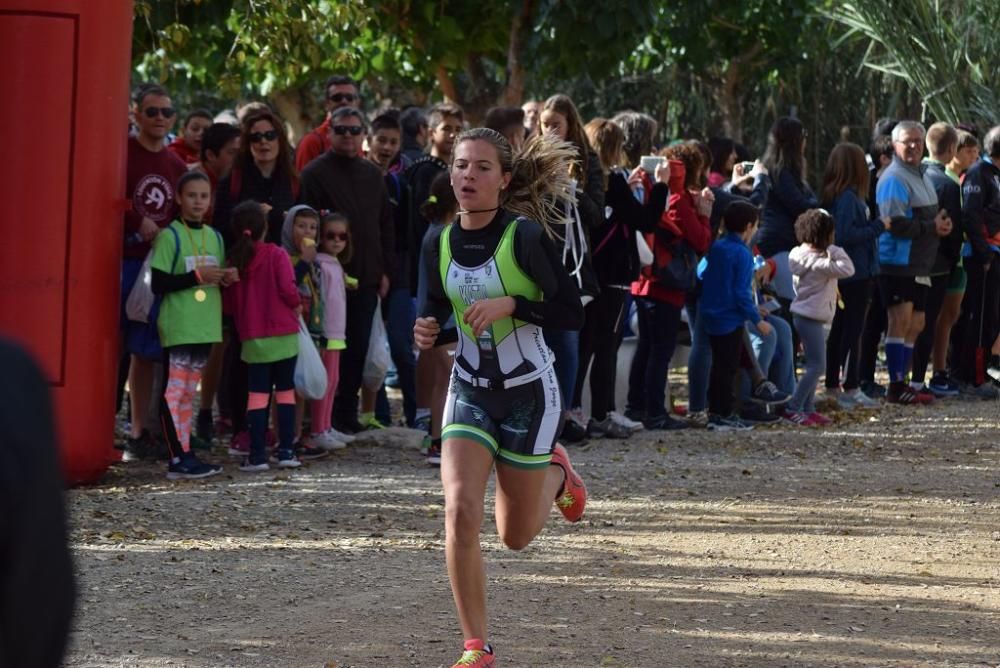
x: 942, y: 141
x: 907, y: 250
x: 413, y: 123
x: 342, y: 181
x: 981, y: 221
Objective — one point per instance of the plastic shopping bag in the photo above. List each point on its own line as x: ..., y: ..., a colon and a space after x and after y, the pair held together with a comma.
x: 140, y: 299
x: 310, y: 374
x: 377, y: 361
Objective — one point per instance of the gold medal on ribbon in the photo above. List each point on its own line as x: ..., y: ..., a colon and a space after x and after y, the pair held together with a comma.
x: 200, y: 295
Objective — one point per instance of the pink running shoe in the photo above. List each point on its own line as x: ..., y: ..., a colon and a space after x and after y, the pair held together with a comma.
x: 477, y: 654
x: 572, y: 499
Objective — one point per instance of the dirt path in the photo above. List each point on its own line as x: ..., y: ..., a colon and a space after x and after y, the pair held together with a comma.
x: 875, y: 542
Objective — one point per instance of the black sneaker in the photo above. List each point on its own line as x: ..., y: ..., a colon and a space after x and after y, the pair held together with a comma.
x: 873, y: 390
x: 607, y: 428
x: 757, y: 415
x: 572, y: 432
x: 634, y: 414
x: 664, y: 423
x: 197, y: 443
x: 349, y: 427
x: 307, y: 453
x: 139, y: 448
x: 189, y: 467
x: 768, y: 393
x: 943, y: 386
x: 205, y: 428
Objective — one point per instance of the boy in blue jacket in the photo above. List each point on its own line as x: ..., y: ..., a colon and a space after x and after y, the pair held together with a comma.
x: 726, y: 304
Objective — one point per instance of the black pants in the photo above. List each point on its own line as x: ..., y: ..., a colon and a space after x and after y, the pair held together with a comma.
x: 234, y: 376
x: 361, y: 305
x: 844, y: 343
x: 979, y: 322
x: 925, y: 342
x: 647, y: 378
x: 599, y: 340
x: 871, y: 336
x: 727, y: 351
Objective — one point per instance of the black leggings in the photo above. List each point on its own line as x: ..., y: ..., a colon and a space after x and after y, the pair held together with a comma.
x: 979, y: 322
x: 925, y: 342
x: 844, y: 343
x: 871, y: 336
x: 599, y: 339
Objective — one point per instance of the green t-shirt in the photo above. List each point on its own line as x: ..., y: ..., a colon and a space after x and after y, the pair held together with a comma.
x: 269, y: 349
x: 193, y: 315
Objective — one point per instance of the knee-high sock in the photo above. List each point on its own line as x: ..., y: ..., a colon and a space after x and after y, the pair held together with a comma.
x: 894, y: 358
x: 285, y: 400
x: 257, y: 421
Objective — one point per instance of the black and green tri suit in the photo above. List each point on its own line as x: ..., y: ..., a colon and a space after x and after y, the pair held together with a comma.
x: 503, y: 392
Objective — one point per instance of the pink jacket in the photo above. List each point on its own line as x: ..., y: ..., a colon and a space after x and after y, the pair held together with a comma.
x: 263, y: 301
x: 334, y: 297
x: 814, y: 275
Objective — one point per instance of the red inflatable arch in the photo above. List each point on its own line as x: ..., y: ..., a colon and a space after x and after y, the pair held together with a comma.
x: 65, y: 88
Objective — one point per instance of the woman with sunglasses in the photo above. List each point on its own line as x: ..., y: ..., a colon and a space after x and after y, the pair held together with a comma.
x: 263, y: 172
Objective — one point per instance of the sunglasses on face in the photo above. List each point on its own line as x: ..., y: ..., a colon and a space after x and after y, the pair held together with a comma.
x: 354, y: 130
x: 257, y: 137
x: 335, y: 236
x: 342, y: 97
x: 153, y: 112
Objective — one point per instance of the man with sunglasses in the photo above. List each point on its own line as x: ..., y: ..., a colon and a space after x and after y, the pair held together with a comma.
x: 342, y: 181
x: 341, y: 91
x: 151, y: 175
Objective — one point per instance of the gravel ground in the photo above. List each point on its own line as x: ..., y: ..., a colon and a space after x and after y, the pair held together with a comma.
x: 873, y: 542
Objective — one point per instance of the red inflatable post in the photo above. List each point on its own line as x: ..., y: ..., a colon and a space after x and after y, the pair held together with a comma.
x: 65, y: 86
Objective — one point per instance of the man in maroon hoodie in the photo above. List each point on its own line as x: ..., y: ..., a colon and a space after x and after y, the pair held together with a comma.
x: 151, y: 176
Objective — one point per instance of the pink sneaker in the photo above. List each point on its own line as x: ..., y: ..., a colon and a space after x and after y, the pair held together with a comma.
x: 819, y: 419
x: 798, y: 418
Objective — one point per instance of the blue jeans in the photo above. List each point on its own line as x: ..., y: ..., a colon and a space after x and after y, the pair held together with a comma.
x: 647, y: 379
x: 565, y: 345
x: 774, y: 354
x: 400, y: 313
x: 699, y: 360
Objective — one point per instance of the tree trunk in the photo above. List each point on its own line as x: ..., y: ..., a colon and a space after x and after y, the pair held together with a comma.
x: 513, y: 93
x: 447, y: 85
x: 293, y: 105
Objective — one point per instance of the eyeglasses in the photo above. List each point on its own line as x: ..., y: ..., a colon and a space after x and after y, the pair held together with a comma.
x: 335, y: 236
x: 258, y: 137
x: 354, y: 130
x: 153, y: 112
x: 342, y: 97
x: 913, y: 143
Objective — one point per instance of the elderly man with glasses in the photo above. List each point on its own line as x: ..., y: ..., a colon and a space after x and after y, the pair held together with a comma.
x: 343, y: 181
x: 907, y: 250
x: 340, y: 92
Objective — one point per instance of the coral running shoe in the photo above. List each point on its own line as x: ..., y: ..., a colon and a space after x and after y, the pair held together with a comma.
x: 572, y: 498
x: 476, y: 655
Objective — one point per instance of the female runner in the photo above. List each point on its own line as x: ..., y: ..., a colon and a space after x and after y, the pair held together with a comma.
x: 498, y: 270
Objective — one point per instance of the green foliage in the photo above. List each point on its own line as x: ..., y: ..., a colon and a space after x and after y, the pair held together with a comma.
x: 947, y: 50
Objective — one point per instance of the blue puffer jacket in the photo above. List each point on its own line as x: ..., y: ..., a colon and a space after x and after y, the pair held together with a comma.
x: 789, y: 198
x: 857, y: 234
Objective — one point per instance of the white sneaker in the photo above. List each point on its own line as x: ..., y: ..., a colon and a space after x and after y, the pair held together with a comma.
x: 326, y: 441
x: 631, y: 425
x: 578, y: 417
x: 862, y: 400
x: 340, y: 436
x: 247, y: 467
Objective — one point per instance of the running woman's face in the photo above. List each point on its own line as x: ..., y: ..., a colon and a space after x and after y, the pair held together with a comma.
x: 194, y: 200
x: 555, y: 124
x: 303, y: 227
x: 476, y: 175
